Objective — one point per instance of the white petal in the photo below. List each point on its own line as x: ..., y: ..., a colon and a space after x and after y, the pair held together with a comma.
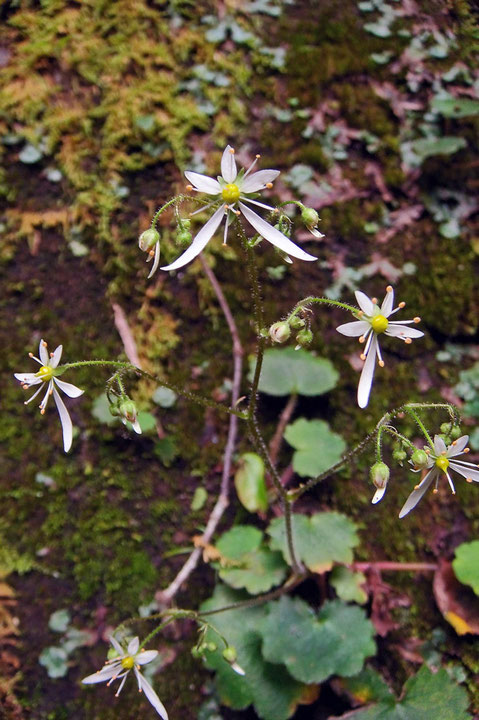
x: 56, y: 357
x: 151, y: 695
x: 146, y: 657
x: 274, y: 236
x: 28, y: 378
x: 228, y: 165
x: 458, y: 446
x: 43, y: 353
x: 364, y: 302
x: 439, y: 445
x: 136, y: 427
x: 367, y: 374
x: 65, y: 421
x: 203, y: 183
x: 464, y: 470
x: 68, y: 388
x: 117, y: 646
x: 378, y: 495
x: 388, y: 303
x: 156, y: 261
x: 199, y: 242
x: 399, y: 330
x: 258, y: 180
x: 417, y: 494
x: 133, y: 646
x: 103, y: 675
x: 354, y: 329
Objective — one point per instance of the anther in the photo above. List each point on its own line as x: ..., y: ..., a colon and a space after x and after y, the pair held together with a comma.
x: 44, y: 343
x: 389, y: 288
x: 30, y: 354
x: 52, y: 354
x: 360, y: 313
x: 381, y: 363
x: 42, y: 411
x: 362, y: 339
x: 362, y: 356
x: 269, y: 185
x: 257, y: 157
x: 416, y: 487
x: 466, y: 450
x: 444, y: 452
x: 435, y: 491
x: 237, y: 212
x: 189, y: 188
x: 454, y: 442
x: 374, y: 301
x: 469, y: 480
x: 402, y: 304
x: 417, y: 320
x: 408, y: 341
x: 151, y: 253
x: 232, y: 151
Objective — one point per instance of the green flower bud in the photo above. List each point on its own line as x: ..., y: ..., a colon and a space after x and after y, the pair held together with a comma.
x: 419, y: 459
x: 211, y: 646
x: 399, y: 454
x: 184, y: 237
x: 379, y: 474
x: 304, y: 337
x: 297, y: 323
x: 230, y: 654
x: 185, y: 224
x: 311, y: 219
x: 148, y: 239
x: 456, y: 432
x: 114, y: 409
x: 446, y: 428
x: 279, y: 332
x: 195, y: 652
x: 127, y: 409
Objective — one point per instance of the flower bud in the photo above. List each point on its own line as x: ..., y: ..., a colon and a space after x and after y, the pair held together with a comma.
x: 379, y: 474
x: 127, y: 411
x: 211, y: 646
x: 184, y: 237
x: 419, y: 459
x: 446, y: 428
x: 311, y: 219
x: 148, y: 239
x: 230, y: 654
x: 297, y: 323
x: 304, y: 337
x: 399, y: 454
x: 185, y: 224
x: 114, y: 409
x: 279, y: 332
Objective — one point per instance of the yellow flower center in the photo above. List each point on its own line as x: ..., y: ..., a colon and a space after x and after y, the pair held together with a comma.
x: 379, y: 323
x: 230, y: 193
x: 127, y: 662
x: 45, y: 373
x: 442, y: 463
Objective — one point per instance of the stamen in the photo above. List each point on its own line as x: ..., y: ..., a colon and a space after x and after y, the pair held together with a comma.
x: 360, y: 313
x: 401, y: 305
x: 269, y: 185
x: 237, y: 212
x: 435, y: 491
x: 251, y: 166
x: 427, y: 451
x: 151, y: 253
x: 362, y: 356
x: 416, y: 487
x: 389, y: 289
x: 42, y: 410
x: 466, y: 450
x: 469, y: 480
x: 52, y: 354
x: 444, y: 452
x: 374, y: 301
x: 417, y: 319
x: 362, y: 339
x: 232, y: 151
x: 189, y: 188
x: 408, y: 341
x: 30, y: 355
x: 381, y: 363
x: 454, y: 442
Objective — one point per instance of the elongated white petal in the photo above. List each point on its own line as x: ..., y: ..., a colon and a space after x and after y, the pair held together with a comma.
x: 65, y: 421
x: 378, y: 495
x: 151, y: 695
x: 464, y: 470
x: 203, y: 183
x: 417, y: 494
x: 399, y: 330
x: 228, y: 165
x: 106, y: 673
x: 156, y: 261
x: 388, y: 303
x: 439, y: 445
x: 199, y: 242
x: 458, y: 446
x: 43, y: 353
x: 274, y: 236
x: 354, y: 329
x: 133, y: 646
x: 136, y: 427
x: 367, y: 374
x: 68, y: 388
x: 145, y: 657
x: 364, y: 302
x: 258, y: 180
x: 56, y: 357
x: 117, y: 646
x: 28, y: 378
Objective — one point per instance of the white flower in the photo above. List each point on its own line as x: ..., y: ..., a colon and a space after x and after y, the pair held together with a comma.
x: 439, y: 463
x: 374, y: 321
x: 46, y: 375
x: 233, y: 189
x: 119, y: 667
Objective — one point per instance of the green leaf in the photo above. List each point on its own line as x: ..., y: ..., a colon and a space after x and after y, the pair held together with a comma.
x: 55, y: 661
x: 320, y: 540
x: 348, y: 584
x: 455, y: 107
x: 317, y: 447
x: 379, y: 29
x: 255, y: 568
x: 250, y: 483
x: 30, y: 154
x: 101, y: 410
x: 166, y: 449
x: 273, y: 692
x: 147, y: 421
x: 199, y: 498
x: 164, y: 397
x: 59, y: 621
x: 288, y: 371
x: 313, y: 647
x: 425, y: 696
x: 466, y: 564
x: 426, y: 147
